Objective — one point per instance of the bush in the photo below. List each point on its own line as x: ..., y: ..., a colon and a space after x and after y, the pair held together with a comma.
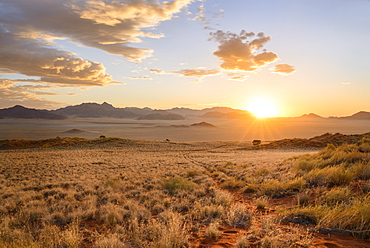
x: 178, y: 183
x: 238, y: 215
x: 335, y: 196
x: 262, y: 202
x: 339, y: 176
x: 212, y: 230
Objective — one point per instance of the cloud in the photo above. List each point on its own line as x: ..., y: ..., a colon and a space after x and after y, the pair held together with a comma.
x: 12, y: 94
x: 35, y: 58
x: 145, y: 78
x: 199, y: 72
x: 237, y: 53
x: 201, y: 16
x: 237, y: 77
x: 157, y: 71
x: 108, y: 25
x: 284, y: 69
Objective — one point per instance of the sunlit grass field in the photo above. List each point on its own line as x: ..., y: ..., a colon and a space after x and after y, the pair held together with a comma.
x: 110, y: 192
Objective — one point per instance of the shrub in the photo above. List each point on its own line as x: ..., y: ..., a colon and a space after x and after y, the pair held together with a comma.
x: 354, y: 217
x: 222, y: 197
x: 232, y: 183
x: 178, y: 183
x: 238, y: 215
x: 242, y: 242
x: 212, y: 230
x: 361, y: 170
x: 212, y: 212
x: 303, y: 198
x: 336, y: 195
x: 112, y: 241
x: 339, y: 176
x: 305, y: 165
x: 262, y: 202
x: 316, y: 177
x: 272, y: 188
x: 193, y: 173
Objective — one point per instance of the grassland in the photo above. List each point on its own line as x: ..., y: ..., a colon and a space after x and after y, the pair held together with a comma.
x: 110, y: 192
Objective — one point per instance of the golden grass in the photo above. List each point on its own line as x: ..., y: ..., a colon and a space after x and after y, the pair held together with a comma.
x: 160, y: 194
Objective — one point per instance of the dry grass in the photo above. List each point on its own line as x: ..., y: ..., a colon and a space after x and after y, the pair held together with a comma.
x: 159, y: 194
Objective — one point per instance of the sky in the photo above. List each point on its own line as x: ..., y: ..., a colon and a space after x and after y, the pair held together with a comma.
x: 300, y: 56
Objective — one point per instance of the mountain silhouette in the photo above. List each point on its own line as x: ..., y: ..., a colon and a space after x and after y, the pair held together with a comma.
x: 362, y: 115
x: 21, y: 112
x: 95, y: 110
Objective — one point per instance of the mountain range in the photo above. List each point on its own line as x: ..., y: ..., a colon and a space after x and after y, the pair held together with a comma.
x: 106, y: 110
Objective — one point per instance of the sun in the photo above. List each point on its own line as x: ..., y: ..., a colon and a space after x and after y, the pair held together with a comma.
x: 262, y: 107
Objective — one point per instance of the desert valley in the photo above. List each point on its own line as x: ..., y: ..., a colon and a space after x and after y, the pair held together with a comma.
x: 184, y: 124
x: 91, y: 120
x: 183, y: 181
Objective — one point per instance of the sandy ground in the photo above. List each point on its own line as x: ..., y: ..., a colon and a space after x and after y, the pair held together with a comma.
x: 225, y: 130
x: 96, y: 163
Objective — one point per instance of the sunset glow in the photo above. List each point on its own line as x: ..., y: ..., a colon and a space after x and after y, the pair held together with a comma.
x: 262, y: 108
x: 186, y: 53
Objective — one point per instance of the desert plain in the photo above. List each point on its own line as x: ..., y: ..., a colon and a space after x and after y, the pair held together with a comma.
x: 114, y: 192
x: 180, y: 130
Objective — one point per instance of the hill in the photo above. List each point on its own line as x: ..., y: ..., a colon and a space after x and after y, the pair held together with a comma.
x: 362, y: 115
x: 236, y: 114
x: 161, y: 115
x: 311, y: 115
x: 317, y: 141
x: 95, y: 110
x: 21, y: 112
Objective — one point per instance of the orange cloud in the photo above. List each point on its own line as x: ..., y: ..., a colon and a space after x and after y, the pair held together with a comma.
x: 237, y: 53
x: 104, y: 24
x: 34, y: 58
x: 284, y: 69
x: 157, y: 71
x: 196, y: 72
x: 145, y: 78
x: 11, y: 94
x: 237, y: 77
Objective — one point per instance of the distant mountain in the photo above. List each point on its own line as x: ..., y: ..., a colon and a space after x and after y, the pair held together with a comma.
x: 138, y: 111
x: 362, y: 115
x: 311, y: 115
x: 236, y: 114
x: 21, y: 112
x: 106, y: 110
x: 95, y: 110
x: 161, y: 115
x: 202, y: 124
x: 196, y: 112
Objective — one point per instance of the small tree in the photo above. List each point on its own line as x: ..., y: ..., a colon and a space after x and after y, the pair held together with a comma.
x: 256, y: 142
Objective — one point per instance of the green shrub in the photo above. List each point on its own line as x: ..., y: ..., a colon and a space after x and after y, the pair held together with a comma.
x: 178, y: 183
x: 232, y: 183
x: 339, y: 176
x: 336, y: 195
x: 361, y: 170
x: 354, y: 217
